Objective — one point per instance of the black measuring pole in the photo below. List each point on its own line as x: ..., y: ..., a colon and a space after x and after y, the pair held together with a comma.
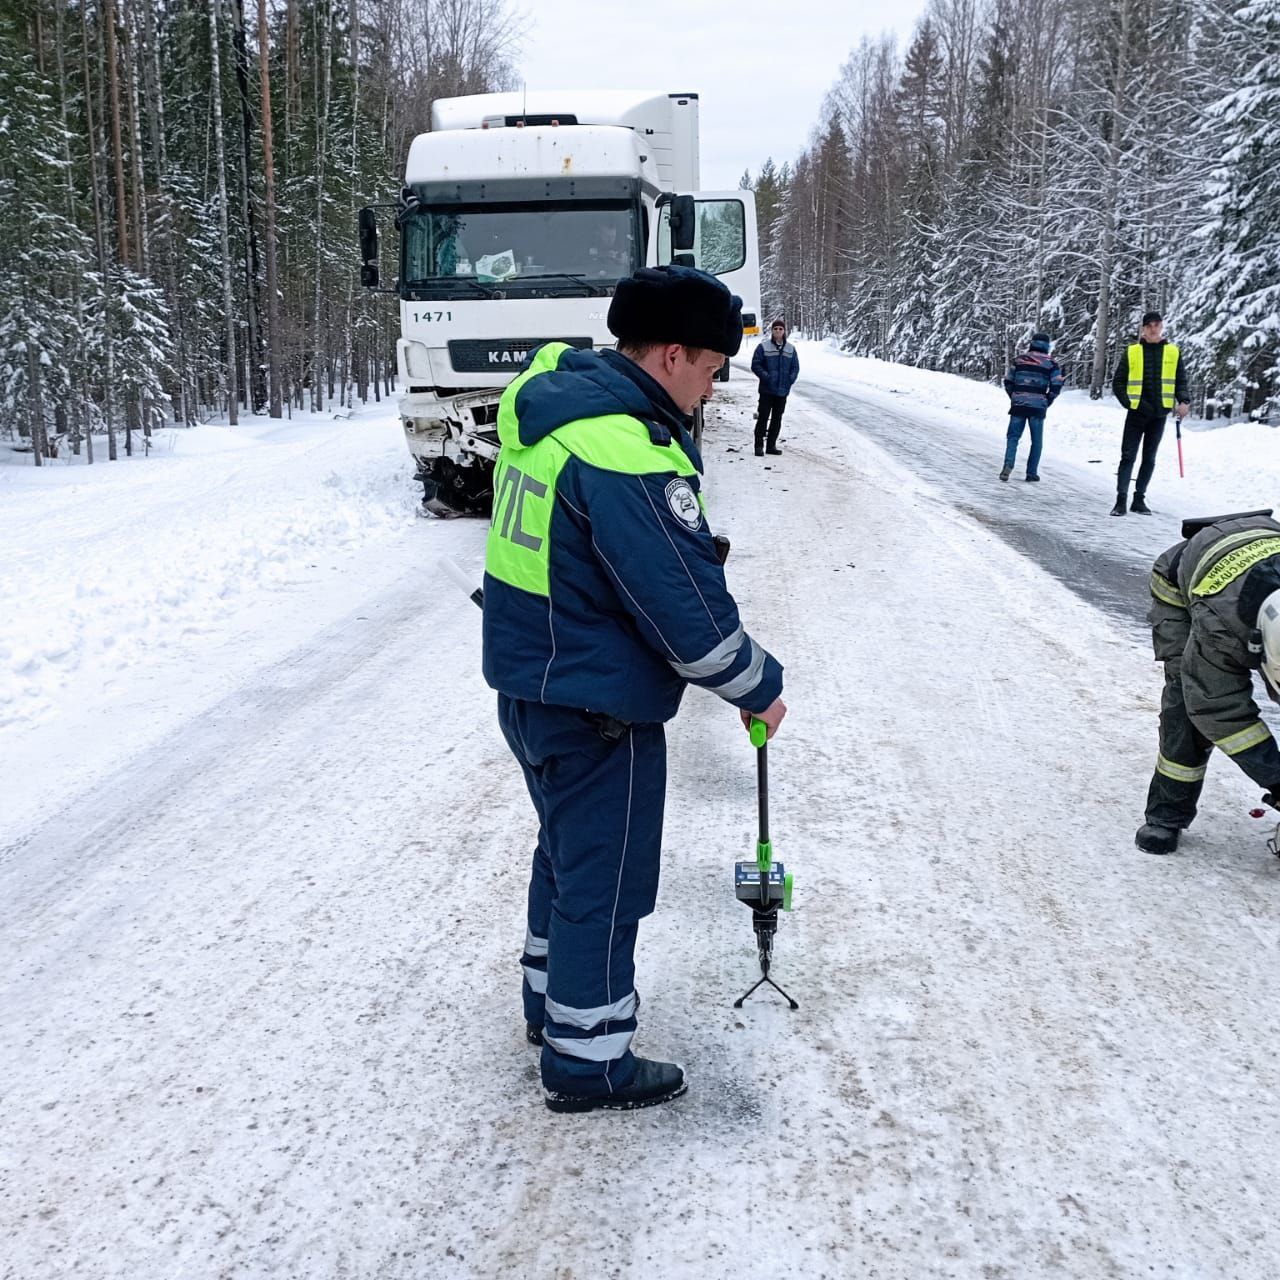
x: 764, y: 854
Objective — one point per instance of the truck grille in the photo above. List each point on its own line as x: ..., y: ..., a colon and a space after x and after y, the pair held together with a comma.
x: 478, y: 355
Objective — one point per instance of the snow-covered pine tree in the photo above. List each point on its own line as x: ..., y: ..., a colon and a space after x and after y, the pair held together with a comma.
x: 1232, y: 295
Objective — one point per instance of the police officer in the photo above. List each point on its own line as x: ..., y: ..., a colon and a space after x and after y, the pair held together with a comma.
x: 1215, y: 618
x: 604, y: 598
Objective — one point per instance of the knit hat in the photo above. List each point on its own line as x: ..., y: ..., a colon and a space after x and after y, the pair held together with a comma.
x: 1041, y: 342
x: 677, y: 304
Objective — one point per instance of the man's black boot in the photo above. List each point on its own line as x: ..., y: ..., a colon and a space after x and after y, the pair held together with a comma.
x: 1139, y: 505
x: 1120, y: 507
x: 653, y: 1083
x: 1156, y: 839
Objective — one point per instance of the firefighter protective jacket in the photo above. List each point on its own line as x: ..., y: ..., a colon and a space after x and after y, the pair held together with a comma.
x: 603, y: 590
x: 1202, y: 633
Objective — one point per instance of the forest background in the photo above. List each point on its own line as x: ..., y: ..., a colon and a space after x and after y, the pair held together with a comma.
x: 168, y: 252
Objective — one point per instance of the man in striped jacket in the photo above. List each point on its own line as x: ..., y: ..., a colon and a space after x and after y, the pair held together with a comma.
x: 1215, y: 619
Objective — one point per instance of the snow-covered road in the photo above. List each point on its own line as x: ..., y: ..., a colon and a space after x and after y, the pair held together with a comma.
x: 259, y: 980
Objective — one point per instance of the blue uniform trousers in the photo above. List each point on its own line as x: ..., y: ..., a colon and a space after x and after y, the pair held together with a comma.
x: 595, y: 874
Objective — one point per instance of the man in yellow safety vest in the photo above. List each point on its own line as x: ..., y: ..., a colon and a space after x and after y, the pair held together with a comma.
x: 1149, y: 381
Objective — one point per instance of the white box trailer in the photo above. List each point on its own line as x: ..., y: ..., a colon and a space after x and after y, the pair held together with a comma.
x: 519, y: 214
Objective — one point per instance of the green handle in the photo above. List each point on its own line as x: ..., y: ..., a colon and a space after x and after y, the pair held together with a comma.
x: 759, y: 732
x: 786, y: 891
x: 764, y: 856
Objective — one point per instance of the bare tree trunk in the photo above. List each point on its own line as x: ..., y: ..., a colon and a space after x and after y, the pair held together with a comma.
x: 269, y: 175
x: 135, y: 138
x: 100, y: 239
x: 75, y: 371
x: 322, y: 131
x: 1110, y: 196
x: 187, y: 395
x: 228, y: 301
x: 39, y: 446
x: 256, y: 392
x: 348, y: 339
x: 109, y: 22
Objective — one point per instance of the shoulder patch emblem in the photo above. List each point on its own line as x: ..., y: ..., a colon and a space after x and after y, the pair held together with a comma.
x: 684, y: 503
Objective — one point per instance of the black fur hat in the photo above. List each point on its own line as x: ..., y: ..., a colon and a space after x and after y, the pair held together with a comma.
x: 677, y: 304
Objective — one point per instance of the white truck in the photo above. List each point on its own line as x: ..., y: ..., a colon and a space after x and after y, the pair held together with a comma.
x: 519, y: 213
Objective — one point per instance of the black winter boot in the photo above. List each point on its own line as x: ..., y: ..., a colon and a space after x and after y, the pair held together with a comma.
x: 653, y: 1082
x: 1121, y: 506
x: 1004, y: 472
x: 1139, y: 506
x: 1155, y: 839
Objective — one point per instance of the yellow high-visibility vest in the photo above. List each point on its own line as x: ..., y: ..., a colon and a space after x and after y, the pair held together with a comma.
x: 1168, y: 374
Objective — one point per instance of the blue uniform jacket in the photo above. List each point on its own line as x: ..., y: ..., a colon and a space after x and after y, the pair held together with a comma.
x: 637, y: 607
x: 777, y: 367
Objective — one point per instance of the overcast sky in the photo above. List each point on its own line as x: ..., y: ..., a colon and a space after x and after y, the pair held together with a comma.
x: 760, y: 70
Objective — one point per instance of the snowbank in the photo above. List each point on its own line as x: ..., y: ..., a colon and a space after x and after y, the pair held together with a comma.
x: 1229, y: 466
x: 107, y: 566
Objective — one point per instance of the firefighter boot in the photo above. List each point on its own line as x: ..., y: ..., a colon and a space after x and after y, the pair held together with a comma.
x: 1155, y: 839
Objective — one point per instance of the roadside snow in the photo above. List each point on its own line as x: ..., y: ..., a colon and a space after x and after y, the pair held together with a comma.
x: 1227, y: 466
x: 108, y: 567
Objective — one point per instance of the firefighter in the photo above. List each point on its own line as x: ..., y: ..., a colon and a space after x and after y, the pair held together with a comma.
x: 604, y: 598
x: 1215, y: 618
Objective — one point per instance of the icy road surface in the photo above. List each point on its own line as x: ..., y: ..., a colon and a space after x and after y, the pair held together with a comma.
x: 259, y: 980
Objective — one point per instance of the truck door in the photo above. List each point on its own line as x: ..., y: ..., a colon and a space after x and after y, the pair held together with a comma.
x: 724, y: 244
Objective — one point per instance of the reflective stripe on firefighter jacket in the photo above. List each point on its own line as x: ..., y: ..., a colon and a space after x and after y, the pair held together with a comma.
x: 1200, y: 636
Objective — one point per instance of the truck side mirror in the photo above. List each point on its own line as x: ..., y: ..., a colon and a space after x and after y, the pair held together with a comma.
x: 682, y: 222
x: 368, y: 249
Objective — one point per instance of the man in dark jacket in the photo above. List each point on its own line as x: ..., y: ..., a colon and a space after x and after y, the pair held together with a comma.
x: 1215, y: 619
x: 777, y: 366
x: 1033, y: 383
x: 1149, y: 380
x: 604, y: 598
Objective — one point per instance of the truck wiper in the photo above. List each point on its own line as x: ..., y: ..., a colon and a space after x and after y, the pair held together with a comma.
x: 471, y: 282
x: 439, y: 282
x: 581, y: 281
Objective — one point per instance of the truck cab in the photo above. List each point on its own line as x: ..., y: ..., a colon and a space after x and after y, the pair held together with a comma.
x: 517, y: 217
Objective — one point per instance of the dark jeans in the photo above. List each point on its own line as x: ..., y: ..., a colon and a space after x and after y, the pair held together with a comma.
x: 1016, y: 422
x: 770, y: 413
x: 1139, y: 429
